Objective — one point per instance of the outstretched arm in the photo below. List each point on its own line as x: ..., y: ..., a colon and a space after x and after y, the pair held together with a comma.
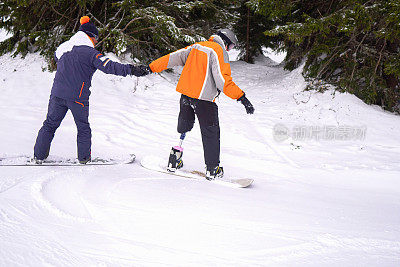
x: 221, y: 70
x: 177, y: 58
x: 108, y: 66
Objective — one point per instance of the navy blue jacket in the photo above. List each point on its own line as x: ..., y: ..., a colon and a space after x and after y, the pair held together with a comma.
x: 77, y: 60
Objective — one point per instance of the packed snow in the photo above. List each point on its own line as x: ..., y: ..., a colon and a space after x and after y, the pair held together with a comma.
x: 326, y: 170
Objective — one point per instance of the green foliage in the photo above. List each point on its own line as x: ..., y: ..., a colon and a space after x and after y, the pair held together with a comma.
x: 353, y: 44
x: 143, y: 29
x: 249, y: 28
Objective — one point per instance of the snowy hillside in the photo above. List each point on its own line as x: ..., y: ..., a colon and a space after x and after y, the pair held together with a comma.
x: 326, y: 190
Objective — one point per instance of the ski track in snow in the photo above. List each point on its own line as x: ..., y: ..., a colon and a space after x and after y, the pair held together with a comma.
x: 313, y: 203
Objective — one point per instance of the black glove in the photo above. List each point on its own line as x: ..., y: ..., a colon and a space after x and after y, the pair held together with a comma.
x: 146, y: 68
x: 140, y: 70
x: 246, y: 103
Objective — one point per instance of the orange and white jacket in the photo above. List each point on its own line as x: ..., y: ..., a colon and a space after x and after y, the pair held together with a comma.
x: 206, y: 70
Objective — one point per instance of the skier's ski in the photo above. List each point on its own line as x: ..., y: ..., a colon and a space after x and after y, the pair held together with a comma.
x: 25, y: 160
x: 158, y: 164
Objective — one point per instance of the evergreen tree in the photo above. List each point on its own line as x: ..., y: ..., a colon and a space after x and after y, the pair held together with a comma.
x: 144, y: 29
x: 353, y: 44
x: 249, y: 28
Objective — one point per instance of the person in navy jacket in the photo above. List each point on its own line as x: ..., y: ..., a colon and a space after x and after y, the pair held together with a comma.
x: 77, y: 60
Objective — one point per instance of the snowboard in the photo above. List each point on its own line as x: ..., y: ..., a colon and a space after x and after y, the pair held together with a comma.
x: 159, y: 164
x: 25, y: 160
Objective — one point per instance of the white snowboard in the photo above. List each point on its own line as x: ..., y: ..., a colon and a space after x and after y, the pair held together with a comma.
x: 159, y: 164
x: 25, y: 160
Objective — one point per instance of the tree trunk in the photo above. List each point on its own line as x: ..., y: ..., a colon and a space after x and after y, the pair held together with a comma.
x: 248, y: 36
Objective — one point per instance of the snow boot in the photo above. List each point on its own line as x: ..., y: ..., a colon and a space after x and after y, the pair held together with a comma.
x: 175, y: 159
x: 213, y: 173
x: 37, y: 161
x: 40, y: 161
x: 84, y: 161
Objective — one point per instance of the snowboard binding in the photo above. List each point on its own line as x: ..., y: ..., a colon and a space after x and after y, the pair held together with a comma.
x: 213, y: 173
x: 175, y: 159
x: 175, y: 156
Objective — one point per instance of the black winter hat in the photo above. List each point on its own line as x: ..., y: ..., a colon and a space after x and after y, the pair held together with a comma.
x: 88, y: 27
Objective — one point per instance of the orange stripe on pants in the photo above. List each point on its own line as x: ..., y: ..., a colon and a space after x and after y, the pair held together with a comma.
x: 83, y: 84
x: 80, y: 103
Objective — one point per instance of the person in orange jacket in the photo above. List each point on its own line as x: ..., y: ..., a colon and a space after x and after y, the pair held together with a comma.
x: 205, y: 75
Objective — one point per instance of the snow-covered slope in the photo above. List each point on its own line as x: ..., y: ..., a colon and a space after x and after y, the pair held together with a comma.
x: 313, y: 203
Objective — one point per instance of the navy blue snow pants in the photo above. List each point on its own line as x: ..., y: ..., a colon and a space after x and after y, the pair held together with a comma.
x: 57, y: 109
x: 207, y: 114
